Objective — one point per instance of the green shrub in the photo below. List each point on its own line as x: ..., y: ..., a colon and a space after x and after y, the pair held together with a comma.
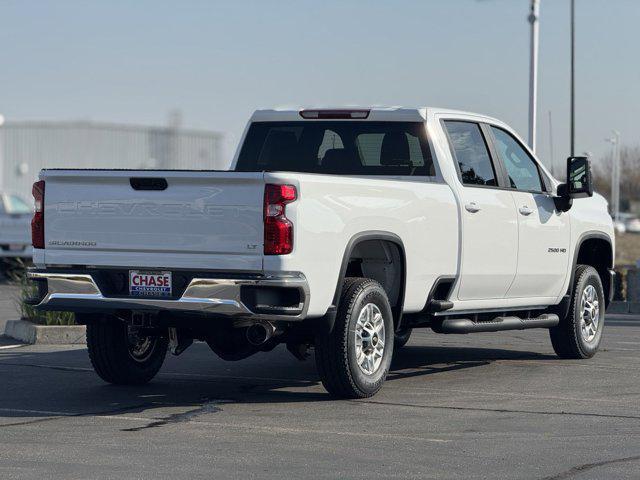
x: 27, y: 290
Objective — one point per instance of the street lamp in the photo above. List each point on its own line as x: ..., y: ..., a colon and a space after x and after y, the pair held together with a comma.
x: 615, y: 174
x: 533, y: 73
x: 1, y: 153
x: 573, y: 69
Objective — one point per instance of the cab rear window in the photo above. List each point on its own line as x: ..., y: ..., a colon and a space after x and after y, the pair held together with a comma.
x: 347, y: 147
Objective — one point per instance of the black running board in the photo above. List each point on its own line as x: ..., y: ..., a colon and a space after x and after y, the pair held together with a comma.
x: 498, y: 324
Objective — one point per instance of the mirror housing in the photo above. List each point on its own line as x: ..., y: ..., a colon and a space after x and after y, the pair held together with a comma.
x: 579, y: 182
x: 578, y: 185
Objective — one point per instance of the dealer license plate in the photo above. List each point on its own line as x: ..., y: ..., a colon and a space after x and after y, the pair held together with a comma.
x: 149, y: 284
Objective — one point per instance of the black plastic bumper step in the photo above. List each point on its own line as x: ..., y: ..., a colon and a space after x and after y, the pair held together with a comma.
x: 439, y: 306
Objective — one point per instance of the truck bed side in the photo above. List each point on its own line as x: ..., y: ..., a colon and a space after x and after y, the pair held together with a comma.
x: 333, y: 210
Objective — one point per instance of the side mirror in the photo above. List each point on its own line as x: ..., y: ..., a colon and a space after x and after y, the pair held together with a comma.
x: 579, y: 184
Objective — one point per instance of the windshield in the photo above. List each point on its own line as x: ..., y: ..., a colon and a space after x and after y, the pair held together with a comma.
x: 351, y: 147
x: 16, y: 206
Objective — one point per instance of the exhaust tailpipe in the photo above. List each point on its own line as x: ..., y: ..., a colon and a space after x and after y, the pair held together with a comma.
x: 259, y: 333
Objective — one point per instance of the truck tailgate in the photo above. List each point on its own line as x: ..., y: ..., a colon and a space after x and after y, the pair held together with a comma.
x: 205, y: 220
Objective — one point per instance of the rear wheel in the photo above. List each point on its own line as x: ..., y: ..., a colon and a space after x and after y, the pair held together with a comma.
x: 354, y: 359
x: 579, y: 334
x: 121, y: 355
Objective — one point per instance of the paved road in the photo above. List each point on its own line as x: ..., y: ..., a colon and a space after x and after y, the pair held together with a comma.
x: 483, y: 406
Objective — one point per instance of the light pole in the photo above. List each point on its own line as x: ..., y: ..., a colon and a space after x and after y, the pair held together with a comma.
x: 573, y: 65
x: 533, y: 73
x: 1, y: 153
x: 615, y: 174
x: 551, y: 159
x: 616, y: 170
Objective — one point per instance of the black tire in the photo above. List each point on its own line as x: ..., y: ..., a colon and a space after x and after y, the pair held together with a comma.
x: 568, y: 338
x: 401, y: 338
x: 335, y: 353
x: 115, y: 359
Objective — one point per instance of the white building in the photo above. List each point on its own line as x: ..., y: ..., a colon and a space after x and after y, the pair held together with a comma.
x: 27, y: 147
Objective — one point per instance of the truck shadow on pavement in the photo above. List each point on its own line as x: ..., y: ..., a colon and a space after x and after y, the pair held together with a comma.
x: 40, y: 385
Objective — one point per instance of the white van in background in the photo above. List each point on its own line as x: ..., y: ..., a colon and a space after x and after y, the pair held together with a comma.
x: 15, y: 228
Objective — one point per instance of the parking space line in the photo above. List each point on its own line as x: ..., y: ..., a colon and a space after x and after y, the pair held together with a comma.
x: 39, y: 412
x: 252, y: 427
x: 52, y: 413
x: 164, y: 374
x: 428, y: 389
x: 236, y: 377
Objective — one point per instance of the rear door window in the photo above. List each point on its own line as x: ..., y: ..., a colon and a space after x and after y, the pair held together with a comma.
x: 471, y: 153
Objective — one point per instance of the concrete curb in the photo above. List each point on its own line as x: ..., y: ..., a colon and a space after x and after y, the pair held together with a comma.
x: 46, y: 334
x: 618, y: 307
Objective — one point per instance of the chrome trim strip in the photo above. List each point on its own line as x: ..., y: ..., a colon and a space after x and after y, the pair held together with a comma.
x: 216, y: 296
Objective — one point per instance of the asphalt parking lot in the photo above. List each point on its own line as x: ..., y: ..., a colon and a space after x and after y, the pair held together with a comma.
x: 482, y: 406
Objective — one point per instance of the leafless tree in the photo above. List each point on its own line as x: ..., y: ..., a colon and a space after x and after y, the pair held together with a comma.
x: 629, y: 176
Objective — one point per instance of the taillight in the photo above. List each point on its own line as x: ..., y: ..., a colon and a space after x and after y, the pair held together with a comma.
x: 278, y: 230
x: 37, y: 222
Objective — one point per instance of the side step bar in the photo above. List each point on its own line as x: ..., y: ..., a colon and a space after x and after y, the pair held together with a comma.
x: 439, y: 306
x: 498, y: 324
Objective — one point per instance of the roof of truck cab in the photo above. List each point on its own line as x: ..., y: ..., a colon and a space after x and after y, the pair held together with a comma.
x: 377, y: 113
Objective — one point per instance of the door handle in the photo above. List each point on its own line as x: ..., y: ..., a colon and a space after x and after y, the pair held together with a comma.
x: 524, y: 210
x: 472, y: 207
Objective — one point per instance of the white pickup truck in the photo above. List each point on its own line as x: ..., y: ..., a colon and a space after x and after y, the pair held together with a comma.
x: 337, y: 230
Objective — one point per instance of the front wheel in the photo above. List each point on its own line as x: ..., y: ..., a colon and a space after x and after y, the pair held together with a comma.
x: 120, y: 355
x: 579, y: 334
x: 354, y: 359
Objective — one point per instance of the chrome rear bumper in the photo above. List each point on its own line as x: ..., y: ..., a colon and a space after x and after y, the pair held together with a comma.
x: 211, y: 296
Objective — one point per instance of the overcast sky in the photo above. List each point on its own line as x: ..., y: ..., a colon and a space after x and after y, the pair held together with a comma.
x: 132, y: 62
